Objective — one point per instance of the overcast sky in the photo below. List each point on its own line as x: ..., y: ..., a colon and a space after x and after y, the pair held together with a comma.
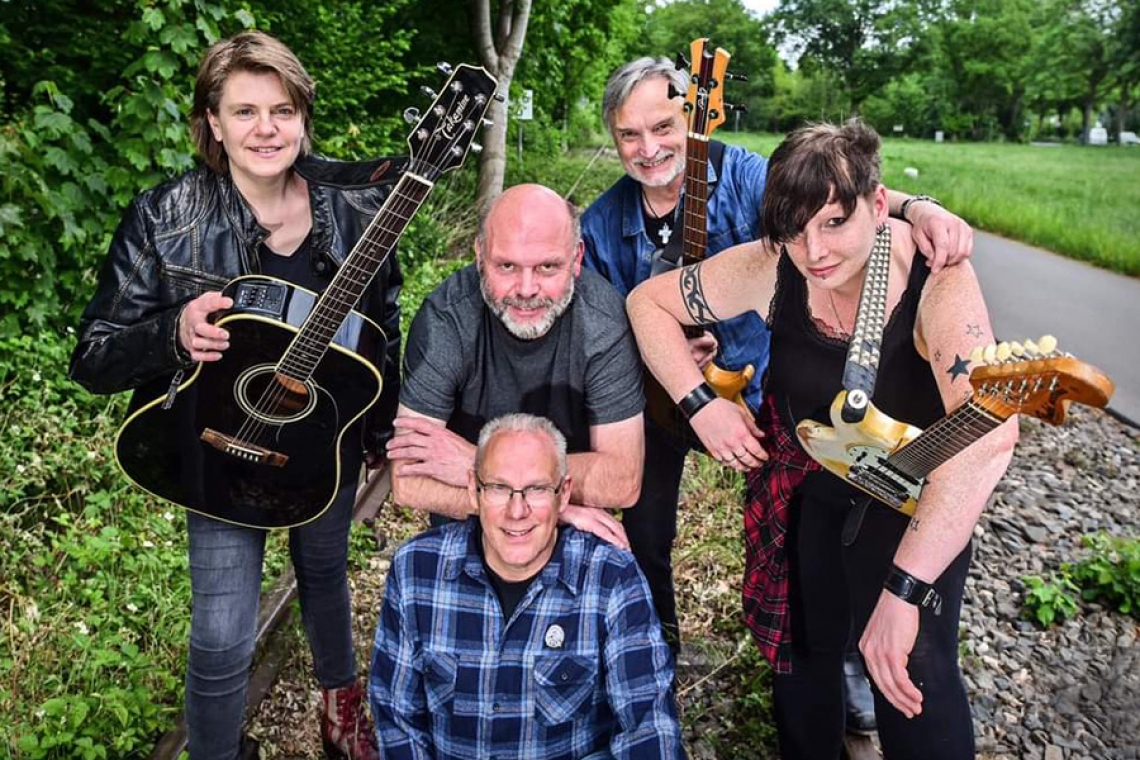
x: 760, y: 7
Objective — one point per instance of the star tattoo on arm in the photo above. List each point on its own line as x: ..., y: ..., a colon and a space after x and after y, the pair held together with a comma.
x: 974, y: 331
x: 693, y: 296
x: 959, y: 367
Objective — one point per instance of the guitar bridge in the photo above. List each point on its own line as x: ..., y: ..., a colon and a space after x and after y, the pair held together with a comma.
x: 248, y: 452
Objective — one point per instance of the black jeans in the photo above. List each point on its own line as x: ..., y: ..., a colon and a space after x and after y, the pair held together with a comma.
x: 834, y: 589
x: 651, y: 524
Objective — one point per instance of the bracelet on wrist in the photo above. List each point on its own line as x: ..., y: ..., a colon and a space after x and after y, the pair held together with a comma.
x: 697, y: 399
x: 913, y: 591
x: 905, y: 207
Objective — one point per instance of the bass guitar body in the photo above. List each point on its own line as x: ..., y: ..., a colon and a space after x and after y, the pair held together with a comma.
x: 241, y: 440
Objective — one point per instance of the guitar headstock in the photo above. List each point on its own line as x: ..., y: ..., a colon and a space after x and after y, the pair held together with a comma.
x: 443, y: 136
x: 1033, y: 378
x: 704, y: 102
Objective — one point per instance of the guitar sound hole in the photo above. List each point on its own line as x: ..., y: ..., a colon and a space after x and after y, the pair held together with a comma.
x: 271, y: 397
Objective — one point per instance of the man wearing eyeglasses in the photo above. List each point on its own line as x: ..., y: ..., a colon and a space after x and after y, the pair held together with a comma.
x: 508, y: 636
x: 525, y: 329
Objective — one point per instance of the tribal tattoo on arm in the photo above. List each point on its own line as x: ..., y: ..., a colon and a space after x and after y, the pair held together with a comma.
x: 693, y: 296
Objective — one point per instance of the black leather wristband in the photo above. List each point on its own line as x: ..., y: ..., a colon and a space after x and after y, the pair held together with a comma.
x: 697, y: 399
x: 915, y: 199
x: 913, y: 591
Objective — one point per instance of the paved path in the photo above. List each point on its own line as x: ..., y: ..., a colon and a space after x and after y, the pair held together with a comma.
x: 1095, y: 314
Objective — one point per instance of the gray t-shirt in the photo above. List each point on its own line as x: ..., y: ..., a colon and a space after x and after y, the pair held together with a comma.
x: 463, y: 366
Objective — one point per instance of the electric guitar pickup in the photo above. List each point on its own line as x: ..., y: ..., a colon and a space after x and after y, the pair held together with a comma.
x: 890, y: 460
x: 256, y: 437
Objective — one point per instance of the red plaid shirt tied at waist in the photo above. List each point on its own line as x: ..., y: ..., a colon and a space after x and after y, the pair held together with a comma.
x: 770, y: 492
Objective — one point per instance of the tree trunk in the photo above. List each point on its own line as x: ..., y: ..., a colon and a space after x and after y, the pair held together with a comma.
x: 1122, y: 109
x: 499, y: 53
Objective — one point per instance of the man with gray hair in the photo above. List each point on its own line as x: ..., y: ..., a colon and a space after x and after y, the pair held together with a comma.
x: 625, y: 232
x: 508, y: 636
x: 523, y: 330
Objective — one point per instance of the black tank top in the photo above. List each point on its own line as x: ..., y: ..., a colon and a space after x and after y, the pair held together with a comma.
x: 806, y: 369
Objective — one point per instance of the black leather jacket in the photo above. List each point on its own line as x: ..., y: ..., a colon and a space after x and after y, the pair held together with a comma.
x: 194, y: 234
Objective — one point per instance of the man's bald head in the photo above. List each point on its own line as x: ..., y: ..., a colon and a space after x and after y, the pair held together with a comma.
x: 526, y: 204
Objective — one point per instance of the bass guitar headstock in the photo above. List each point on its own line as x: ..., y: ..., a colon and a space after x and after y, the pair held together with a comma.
x: 705, y: 108
x: 1034, y: 379
x: 441, y: 138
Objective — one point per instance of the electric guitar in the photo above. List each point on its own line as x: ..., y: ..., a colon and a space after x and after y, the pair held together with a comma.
x: 256, y: 437
x: 891, y: 460
x: 704, y: 111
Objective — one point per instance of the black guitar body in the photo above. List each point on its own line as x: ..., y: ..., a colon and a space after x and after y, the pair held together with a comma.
x: 245, y: 443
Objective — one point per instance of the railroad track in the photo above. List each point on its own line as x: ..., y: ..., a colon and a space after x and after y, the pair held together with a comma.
x: 272, y: 649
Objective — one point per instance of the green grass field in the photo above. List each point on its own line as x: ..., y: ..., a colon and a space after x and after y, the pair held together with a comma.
x: 1081, y: 202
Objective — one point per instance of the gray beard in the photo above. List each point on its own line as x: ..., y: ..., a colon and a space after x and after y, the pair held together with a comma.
x: 555, y: 308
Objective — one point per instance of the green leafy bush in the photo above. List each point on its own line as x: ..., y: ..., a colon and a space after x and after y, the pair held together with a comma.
x: 1112, y: 573
x: 1109, y: 575
x: 1049, y: 601
x: 94, y: 587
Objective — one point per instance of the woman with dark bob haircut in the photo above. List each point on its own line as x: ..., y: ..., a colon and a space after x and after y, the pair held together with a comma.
x: 811, y: 586
x: 252, y: 208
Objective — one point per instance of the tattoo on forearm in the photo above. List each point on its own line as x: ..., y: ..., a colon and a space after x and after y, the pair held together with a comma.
x: 974, y: 331
x: 937, y: 356
x: 693, y: 295
x: 914, y: 521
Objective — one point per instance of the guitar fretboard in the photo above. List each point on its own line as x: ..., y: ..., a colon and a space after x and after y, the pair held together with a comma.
x: 353, y: 277
x: 695, y: 239
x: 944, y: 439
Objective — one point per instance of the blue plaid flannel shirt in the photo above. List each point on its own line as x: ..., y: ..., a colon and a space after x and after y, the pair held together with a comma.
x: 451, y: 678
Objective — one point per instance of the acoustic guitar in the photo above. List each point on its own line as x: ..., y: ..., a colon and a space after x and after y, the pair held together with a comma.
x: 705, y: 110
x: 256, y: 438
x: 890, y: 460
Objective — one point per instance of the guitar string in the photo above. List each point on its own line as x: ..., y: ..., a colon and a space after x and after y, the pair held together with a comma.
x: 275, y: 392
x: 345, y: 280
x: 950, y: 435
x: 353, y: 273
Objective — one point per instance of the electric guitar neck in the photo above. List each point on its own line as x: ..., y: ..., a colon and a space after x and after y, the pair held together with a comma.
x: 891, y: 460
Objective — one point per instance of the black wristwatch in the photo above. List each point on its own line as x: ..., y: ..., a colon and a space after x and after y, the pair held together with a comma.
x: 913, y: 591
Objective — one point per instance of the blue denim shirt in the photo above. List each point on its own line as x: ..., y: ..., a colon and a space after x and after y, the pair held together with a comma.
x: 618, y: 248
x: 580, y: 671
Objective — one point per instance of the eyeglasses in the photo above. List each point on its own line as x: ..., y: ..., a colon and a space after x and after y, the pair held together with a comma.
x: 535, y: 497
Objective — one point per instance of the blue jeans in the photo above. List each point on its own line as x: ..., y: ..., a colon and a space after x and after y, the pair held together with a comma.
x: 225, y: 576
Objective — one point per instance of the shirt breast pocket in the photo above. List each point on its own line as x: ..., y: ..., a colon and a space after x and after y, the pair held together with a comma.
x: 439, y: 680
x: 564, y: 686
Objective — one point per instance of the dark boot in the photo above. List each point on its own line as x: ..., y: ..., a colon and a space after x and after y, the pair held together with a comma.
x: 346, y: 731
x: 859, y: 702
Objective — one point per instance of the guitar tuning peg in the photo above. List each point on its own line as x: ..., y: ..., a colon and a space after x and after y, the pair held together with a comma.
x: 1047, y: 344
x: 976, y: 355
x: 681, y: 62
x: 411, y: 115
x: 443, y: 67
x: 736, y: 107
x: 988, y: 353
x: 729, y: 76
x: 476, y: 148
x: 1031, y: 348
x: 487, y: 123
x: 500, y: 97
x: 432, y: 94
x: 1017, y: 348
x: 1003, y: 351
x: 674, y: 92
